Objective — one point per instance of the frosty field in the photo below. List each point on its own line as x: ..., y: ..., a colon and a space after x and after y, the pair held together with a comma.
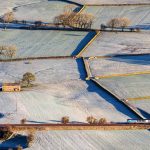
x: 128, y: 87
x: 85, y: 140
x: 60, y: 91
x: 111, y: 1
x: 143, y: 105
x: 43, y: 43
x: 139, y: 15
x: 45, y: 11
x: 120, y: 65
x: 108, y: 43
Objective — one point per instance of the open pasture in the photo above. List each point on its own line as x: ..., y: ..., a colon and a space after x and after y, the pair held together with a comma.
x: 108, y: 43
x: 139, y: 15
x: 107, y: 67
x: 43, y: 43
x: 59, y: 91
x: 128, y: 87
x: 45, y: 11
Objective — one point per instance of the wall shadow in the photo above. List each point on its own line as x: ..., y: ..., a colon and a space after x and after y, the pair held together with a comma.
x: 139, y: 59
x: 83, y: 43
x: 14, y: 142
x: 92, y: 87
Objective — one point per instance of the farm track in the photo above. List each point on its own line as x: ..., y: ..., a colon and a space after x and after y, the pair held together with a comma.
x: 108, y: 126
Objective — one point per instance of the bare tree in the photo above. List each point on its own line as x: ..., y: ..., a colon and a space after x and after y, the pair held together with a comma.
x: 91, y: 120
x: 74, y: 20
x: 113, y: 23
x: 11, y: 51
x: 8, y: 17
x: 124, y: 22
x: 119, y: 22
x: 65, y: 120
x: 28, y: 78
x: 102, y: 121
x: 23, y: 121
x: 19, y: 147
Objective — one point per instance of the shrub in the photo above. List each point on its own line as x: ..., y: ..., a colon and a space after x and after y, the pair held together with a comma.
x: 91, y: 120
x: 28, y: 78
x: 102, y: 121
x: 23, y: 121
x: 65, y: 120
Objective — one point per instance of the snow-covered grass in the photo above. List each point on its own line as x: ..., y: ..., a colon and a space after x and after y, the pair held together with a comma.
x: 111, y: 1
x: 8, y: 5
x: 143, y: 106
x: 59, y: 92
x: 40, y: 43
x: 92, y: 140
x: 119, y: 43
x: 139, y: 15
x: 85, y: 140
x: 128, y: 87
x: 45, y: 11
x: 119, y: 65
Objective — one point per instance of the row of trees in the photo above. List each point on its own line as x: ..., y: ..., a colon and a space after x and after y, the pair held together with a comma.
x: 90, y: 120
x: 74, y: 19
x: 8, y: 51
x: 117, y: 23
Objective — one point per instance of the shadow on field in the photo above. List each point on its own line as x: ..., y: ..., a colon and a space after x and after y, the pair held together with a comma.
x: 83, y: 43
x: 92, y: 87
x: 144, y: 113
x: 14, y: 142
x: 140, y: 60
x: 1, y: 115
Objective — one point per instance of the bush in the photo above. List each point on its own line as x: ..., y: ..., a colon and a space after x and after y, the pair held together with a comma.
x: 102, y: 121
x: 19, y: 147
x: 28, y: 78
x: 65, y: 120
x: 91, y: 120
x: 23, y: 121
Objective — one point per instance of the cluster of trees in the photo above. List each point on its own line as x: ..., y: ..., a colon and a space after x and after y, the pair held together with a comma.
x: 74, y: 19
x: 93, y: 120
x: 119, y: 22
x: 8, y: 51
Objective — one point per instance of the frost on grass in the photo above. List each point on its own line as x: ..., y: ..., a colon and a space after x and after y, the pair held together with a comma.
x: 42, y: 43
x: 120, y: 65
x: 59, y: 91
x: 45, y: 11
x: 139, y: 15
x: 94, y: 140
x: 119, y: 43
x: 128, y: 87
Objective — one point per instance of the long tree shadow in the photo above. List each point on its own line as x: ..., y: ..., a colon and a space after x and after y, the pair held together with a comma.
x: 92, y: 87
x: 140, y: 60
x: 14, y: 142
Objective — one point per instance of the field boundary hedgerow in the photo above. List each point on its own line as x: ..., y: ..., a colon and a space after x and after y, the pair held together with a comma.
x: 83, y: 126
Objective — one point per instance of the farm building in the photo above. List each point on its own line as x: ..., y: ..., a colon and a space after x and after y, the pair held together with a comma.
x: 10, y: 87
